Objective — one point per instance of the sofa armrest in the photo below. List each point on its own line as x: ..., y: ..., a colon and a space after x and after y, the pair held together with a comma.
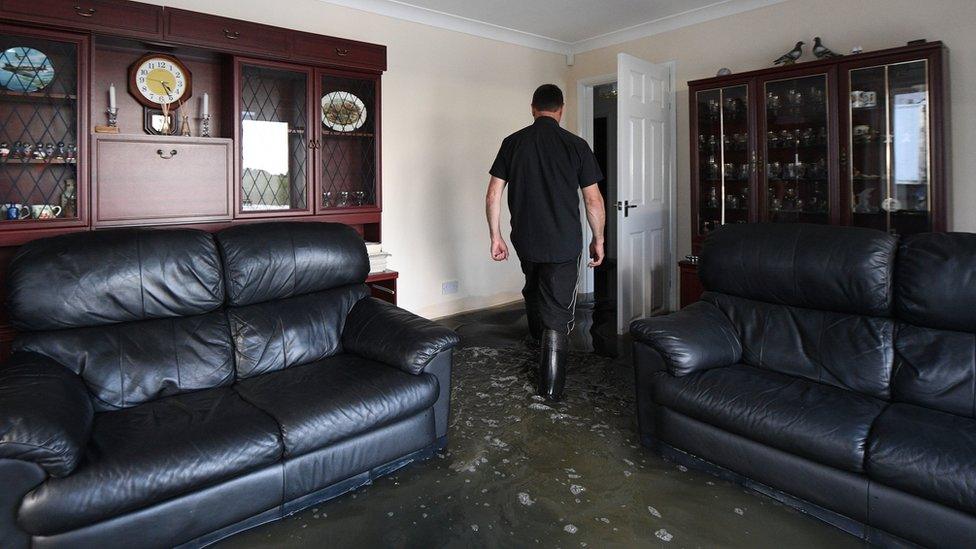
x: 383, y: 332
x: 697, y: 337
x: 45, y: 413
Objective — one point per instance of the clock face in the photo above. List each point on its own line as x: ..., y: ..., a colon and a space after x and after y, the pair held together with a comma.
x: 159, y: 80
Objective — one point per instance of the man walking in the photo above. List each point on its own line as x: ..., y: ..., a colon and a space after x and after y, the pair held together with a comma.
x: 544, y: 167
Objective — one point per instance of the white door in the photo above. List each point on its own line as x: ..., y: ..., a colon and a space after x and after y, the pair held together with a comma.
x: 643, y: 186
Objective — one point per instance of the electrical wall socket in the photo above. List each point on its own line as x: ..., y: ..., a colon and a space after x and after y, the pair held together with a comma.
x: 449, y: 287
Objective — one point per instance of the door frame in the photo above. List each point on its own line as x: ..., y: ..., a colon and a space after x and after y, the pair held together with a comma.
x: 584, y: 110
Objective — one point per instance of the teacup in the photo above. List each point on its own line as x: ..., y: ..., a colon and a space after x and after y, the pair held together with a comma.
x: 44, y: 211
x: 14, y: 211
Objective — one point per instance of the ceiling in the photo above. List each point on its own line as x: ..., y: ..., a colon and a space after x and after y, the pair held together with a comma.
x: 564, y: 26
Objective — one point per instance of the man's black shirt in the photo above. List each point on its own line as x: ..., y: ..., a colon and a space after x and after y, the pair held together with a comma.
x: 545, y: 166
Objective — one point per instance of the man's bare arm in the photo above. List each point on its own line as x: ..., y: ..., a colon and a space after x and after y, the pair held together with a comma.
x: 493, y: 210
x: 597, y: 218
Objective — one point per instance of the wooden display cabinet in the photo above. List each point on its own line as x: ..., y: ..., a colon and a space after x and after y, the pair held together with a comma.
x: 304, y: 168
x: 853, y: 140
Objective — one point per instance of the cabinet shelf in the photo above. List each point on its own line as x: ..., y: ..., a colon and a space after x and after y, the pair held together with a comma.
x: 36, y: 96
x: 326, y: 133
x: 37, y: 162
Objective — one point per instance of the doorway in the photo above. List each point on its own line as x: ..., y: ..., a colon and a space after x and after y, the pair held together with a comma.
x: 628, y: 119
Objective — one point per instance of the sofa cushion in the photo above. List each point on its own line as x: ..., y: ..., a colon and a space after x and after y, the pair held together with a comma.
x: 276, y: 260
x: 104, y: 277
x: 925, y: 452
x: 936, y: 281
x: 130, y: 363
x: 143, y: 455
x: 853, y: 352
x: 936, y: 369
x: 844, y: 269
x: 279, y: 334
x: 812, y: 420
x: 336, y: 398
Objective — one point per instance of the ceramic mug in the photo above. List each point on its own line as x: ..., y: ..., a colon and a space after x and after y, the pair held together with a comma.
x: 857, y: 99
x: 13, y: 211
x: 869, y: 98
x: 45, y: 211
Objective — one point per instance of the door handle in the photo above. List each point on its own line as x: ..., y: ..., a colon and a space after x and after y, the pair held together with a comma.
x: 627, y: 207
x: 164, y: 156
x: 83, y: 12
x: 231, y: 35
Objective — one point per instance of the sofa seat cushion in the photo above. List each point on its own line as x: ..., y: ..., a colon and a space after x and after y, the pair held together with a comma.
x: 927, y: 453
x: 152, y: 452
x: 338, y: 397
x: 808, y: 419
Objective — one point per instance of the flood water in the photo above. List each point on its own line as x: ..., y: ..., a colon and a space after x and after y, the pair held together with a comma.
x: 522, y: 472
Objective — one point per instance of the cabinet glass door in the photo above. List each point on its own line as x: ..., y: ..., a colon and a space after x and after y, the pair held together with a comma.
x: 889, y: 145
x: 725, y: 165
x: 274, y: 148
x: 39, y: 135
x: 347, y: 148
x: 796, y: 149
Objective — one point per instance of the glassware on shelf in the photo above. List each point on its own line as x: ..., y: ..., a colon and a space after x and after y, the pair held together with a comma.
x: 343, y: 200
x: 327, y: 200
x: 713, y: 201
x: 359, y: 198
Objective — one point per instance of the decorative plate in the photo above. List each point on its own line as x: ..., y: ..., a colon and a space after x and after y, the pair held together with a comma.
x: 25, y: 69
x: 343, y: 111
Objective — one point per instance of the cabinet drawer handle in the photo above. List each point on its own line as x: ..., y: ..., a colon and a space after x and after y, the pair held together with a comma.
x: 382, y: 289
x: 165, y: 156
x: 231, y: 35
x: 342, y: 52
x: 83, y: 12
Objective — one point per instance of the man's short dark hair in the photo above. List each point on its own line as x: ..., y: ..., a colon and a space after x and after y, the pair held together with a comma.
x: 547, y: 97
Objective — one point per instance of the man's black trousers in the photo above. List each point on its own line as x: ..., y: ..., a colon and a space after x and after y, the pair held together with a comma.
x: 550, y: 295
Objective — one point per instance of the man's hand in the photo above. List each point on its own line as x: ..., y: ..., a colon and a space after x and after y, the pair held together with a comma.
x: 499, y: 250
x: 596, y: 253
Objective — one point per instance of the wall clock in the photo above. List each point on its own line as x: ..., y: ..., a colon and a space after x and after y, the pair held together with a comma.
x: 159, y: 79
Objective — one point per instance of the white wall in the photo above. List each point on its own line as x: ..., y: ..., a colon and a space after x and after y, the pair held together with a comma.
x: 448, y: 100
x: 751, y: 40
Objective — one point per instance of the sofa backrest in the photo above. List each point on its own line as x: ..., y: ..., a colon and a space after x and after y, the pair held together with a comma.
x: 935, y: 302
x: 135, y: 312
x: 290, y: 287
x: 807, y: 300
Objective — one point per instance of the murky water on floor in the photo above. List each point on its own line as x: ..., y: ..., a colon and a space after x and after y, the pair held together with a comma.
x: 520, y: 471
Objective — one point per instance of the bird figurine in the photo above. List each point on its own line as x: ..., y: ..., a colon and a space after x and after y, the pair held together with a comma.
x: 821, y: 51
x: 791, y: 56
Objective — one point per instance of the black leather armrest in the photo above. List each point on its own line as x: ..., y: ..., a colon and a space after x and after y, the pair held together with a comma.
x: 45, y: 413
x: 697, y: 337
x: 380, y: 331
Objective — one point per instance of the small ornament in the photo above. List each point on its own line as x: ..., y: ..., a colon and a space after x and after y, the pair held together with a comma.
x: 724, y: 71
x: 69, y: 198
x: 60, y: 152
x: 856, y: 50
x: 25, y: 152
x: 791, y: 56
x: 49, y: 151
x: 821, y: 51
x: 18, y: 150
x: 72, y: 153
x: 4, y: 150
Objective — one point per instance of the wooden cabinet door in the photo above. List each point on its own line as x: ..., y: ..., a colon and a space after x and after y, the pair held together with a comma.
x: 140, y: 179
x: 117, y: 17
x: 225, y: 34
x: 336, y: 51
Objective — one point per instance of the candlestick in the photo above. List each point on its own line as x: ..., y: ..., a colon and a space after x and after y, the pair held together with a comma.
x: 111, y: 96
x: 206, y: 105
x: 205, y: 126
x: 113, y: 117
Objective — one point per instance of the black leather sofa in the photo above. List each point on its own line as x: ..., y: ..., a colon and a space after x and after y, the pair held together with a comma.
x: 173, y: 387
x: 832, y: 368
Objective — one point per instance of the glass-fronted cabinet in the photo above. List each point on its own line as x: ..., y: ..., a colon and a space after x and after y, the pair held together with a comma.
x: 275, y: 157
x: 796, y: 149
x: 889, y: 146
x: 42, y: 141
x: 725, y: 160
x: 347, y: 148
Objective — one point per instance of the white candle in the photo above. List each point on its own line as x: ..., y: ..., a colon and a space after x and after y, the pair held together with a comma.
x: 206, y: 104
x: 111, y: 96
